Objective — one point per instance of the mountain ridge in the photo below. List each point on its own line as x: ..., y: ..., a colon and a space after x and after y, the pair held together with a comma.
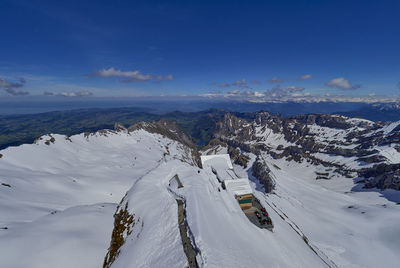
x: 61, y: 180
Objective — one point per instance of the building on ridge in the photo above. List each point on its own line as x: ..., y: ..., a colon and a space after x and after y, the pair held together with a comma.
x: 240, y: 188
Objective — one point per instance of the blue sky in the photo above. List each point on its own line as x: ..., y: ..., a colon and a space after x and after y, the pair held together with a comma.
x: 130, y: 48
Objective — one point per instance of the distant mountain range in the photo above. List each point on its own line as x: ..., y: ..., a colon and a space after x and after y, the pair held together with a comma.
x: 335, y: 145
x: 17, y: 129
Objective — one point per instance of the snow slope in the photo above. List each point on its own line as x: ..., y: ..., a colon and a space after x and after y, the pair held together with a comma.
x: 351, y: 229
x: 58, y: 201
x: 222, y: 233
x: 75, y: 237
x: 53, y: 207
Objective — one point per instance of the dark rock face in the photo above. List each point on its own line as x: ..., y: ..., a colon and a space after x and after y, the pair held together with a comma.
x: 385, y: 181
x: 308, y: 136
x: 124, y: 222
x: 51, y: 140
x: 261, y: 171
x: 232, y: 125
x: 237, y: 157
x: 119, y: 127
x: 382, y: 176
x: 166, y: 128
x: 373, y: 159
x: 172, y: 131
x: 379, y: 169
x: 324, y: 120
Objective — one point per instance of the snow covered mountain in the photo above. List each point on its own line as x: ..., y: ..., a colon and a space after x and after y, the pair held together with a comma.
x: 329, y: 146
x: 111, y: 198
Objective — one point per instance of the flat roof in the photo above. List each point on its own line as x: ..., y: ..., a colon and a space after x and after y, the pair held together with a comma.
x: 220, y: 160
x: 221, y: 165
x: 238, y: 186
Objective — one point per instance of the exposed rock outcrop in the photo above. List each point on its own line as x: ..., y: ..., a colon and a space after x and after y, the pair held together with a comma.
x: 261, y: 171
x: 124, y: 223
x: 119, y: 127
x: 320, y: 140
x: 237, y: 157
x: 382, y: 176
x: 172, y: 131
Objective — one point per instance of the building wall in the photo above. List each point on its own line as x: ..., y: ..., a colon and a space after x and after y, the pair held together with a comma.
x: 245, y: 201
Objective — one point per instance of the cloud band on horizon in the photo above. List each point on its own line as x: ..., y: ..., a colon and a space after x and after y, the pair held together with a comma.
x: 130, y: 76
x: 11, y: 87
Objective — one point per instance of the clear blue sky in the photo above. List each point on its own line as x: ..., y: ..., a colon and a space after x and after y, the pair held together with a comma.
x: 128, y: 48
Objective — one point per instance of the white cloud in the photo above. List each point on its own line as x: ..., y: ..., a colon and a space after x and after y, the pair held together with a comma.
x: 240, y: 83
x: 275, y: 80
x: 10, y: 87
x: 278, y: 92
x: 75, y: 94
x: 14, y: 92
x: 275, y: 93
x: 304, y: 77
x: 341, y: 83
x: 293, y: 89
x: 6, y: 84
x: 253, y: 94
x: 297, y: 94
x: 234, y: 92
x: 130, y: 76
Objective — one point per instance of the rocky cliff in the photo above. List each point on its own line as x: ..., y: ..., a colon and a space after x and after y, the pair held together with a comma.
x: 334, y: 145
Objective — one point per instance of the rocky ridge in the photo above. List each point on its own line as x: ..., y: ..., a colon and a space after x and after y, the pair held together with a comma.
x: 336, y: 145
